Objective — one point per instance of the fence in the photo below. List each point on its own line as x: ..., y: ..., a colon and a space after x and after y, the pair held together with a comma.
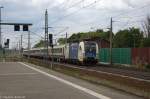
x: 104, y: 55
x: 141, y: 56
x: 119, y: 55
x: 135, y: 56
x: 8, y: 55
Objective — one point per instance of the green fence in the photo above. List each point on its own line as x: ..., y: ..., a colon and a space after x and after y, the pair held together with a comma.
x: 119, y: 55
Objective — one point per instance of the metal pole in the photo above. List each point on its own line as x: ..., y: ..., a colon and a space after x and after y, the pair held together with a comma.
x: 28, y: 44
x: 52, y: 56
x: 66, y: 38
x: 110, y: 41
x: 21, y: 47
x: 55, y: 41
x: 134, y: 42
x: 0, y: 29
x: 46, y: 33
x: 17, y: 49
x: 21, y: 42
x: 134, y: 37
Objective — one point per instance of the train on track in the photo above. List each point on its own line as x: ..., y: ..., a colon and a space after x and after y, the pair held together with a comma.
x: 83, y: 52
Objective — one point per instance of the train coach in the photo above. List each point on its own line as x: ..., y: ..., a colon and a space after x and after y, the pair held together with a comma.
x: 84, y: 52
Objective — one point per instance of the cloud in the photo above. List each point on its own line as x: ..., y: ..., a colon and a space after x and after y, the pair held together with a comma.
x: 115, y: 4
x: 71, y: 13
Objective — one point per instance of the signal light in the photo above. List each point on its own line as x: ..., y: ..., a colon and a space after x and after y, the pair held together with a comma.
x: 16, y: 28
x: 50, y: 39
x: 8, y: 41
x: 7, y: 44
x: 25, y: 28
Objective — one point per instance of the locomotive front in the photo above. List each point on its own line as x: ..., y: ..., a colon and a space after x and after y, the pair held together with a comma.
x: 88, y: 52
x: 91, y: 52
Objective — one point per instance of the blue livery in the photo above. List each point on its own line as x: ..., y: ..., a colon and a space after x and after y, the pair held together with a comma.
x: 73, y: 51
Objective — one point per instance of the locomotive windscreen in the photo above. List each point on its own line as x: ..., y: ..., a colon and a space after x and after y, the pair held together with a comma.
x: 90, y: 49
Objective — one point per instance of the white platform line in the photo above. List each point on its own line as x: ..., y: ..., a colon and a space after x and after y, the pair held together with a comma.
x: 17, y: 74
x: 100, y: 96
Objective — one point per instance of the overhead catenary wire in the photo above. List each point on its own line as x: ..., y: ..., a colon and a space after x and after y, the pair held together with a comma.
x: 75, y: 4
x: 123, y: 13
x: 41, y: 20
x: 71, y: 7
x: 74, y: 12
x: 77, y: 11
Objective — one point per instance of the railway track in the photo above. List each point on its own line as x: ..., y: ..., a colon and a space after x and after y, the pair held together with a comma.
x: 130, y: 80
x: 107, y: 69
x: 135, y: 74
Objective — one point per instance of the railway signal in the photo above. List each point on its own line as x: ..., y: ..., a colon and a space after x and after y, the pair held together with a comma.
x: 50, y: 39
x: 25, y: 28
x: 16, y: 27
x: 6, y: 43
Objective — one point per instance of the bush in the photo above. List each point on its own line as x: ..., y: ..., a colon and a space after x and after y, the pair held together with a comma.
x: 148, y: 66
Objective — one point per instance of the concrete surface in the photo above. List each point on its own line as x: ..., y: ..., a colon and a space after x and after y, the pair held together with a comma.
x: 27, y: 81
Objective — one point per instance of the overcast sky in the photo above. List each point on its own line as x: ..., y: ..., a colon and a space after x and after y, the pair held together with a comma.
x: 77, y: 15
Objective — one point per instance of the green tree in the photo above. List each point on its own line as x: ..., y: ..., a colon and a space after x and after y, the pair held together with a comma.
x: 146, y: 26
x: 145, y: 42
x: 131, y: 37
x: 99, y: 33
x: 62, y: 41
x: 76, y: 37
x: 39, y: 44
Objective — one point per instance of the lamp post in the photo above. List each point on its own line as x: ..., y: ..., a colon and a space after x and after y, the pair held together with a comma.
x: 0, y: 28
